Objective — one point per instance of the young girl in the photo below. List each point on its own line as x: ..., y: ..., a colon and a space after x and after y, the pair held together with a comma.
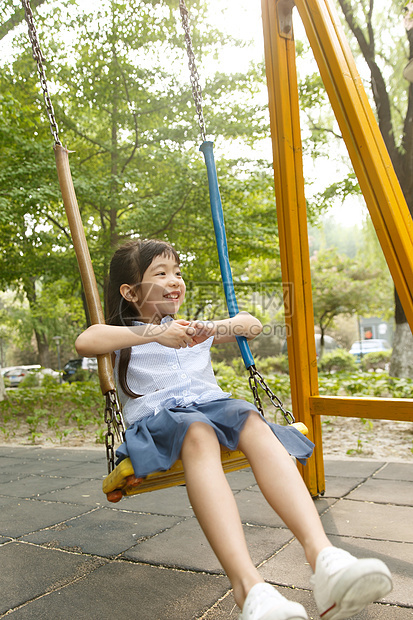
x: 174, y: 408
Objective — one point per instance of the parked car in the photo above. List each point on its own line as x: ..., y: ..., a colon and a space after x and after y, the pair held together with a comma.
x: 361, y: 347
x: 72, y: 367
x: 15, y: 374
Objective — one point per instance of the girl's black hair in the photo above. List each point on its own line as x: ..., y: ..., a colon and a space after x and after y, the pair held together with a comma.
x: 128, y: 265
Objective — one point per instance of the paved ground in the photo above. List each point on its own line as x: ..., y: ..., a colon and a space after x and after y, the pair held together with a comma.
x: 66, y: 553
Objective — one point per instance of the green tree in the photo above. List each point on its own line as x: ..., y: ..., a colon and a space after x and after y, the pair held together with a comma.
x: 12, y: 14
x: 384, y: 46
x: 341, y: 285
x: 123, y: 106
x: 381, y: 36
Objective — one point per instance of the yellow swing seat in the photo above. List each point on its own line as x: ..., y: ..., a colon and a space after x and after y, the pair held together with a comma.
x: 122, y: 480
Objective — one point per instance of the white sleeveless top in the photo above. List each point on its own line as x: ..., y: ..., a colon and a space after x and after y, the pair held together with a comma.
x: 168, y: 378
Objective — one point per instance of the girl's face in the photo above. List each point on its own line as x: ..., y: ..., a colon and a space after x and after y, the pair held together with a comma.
x: 162, y: 290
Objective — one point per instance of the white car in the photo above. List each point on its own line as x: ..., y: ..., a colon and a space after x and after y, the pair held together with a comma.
x: 15, y: 374
x: 361, y: 347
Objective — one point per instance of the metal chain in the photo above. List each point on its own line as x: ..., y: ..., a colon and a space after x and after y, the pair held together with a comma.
x: 194, y: 76
x: 113, y: 419
x: 256, y: 379
x: 39, y: 58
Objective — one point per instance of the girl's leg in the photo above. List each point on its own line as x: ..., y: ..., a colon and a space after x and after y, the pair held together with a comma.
x: 282, y: 486
x: 215, y: 507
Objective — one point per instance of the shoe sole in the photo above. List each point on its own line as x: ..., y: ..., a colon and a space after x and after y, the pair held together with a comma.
x: 369, y: 583
x: 285, y: 616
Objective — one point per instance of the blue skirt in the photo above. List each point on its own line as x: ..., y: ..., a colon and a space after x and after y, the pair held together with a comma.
x: 154, y: 443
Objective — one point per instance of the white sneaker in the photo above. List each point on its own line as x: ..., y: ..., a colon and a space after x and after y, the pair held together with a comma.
x: 344, y: 585
x: 263, y: 602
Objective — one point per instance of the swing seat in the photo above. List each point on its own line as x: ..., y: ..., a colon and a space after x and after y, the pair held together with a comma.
x: 122, y: 480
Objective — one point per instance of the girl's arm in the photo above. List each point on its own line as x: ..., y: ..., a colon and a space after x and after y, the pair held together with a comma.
x: 100, y: 339
x: 242, y: 324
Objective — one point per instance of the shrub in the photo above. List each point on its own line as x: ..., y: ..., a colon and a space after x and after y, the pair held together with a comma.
x: 32, y: 379
x: 378, y: 359
x: 337, y: 361
x: 83, y: 374
x: 273, y: 365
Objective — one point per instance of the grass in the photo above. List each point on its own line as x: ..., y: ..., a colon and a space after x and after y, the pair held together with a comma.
x: 59, y: 411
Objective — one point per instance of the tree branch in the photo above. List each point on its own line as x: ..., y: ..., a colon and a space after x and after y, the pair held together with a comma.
x: 59, y: 226
x: 407, y: 142
x: 326, y: 129
x: 156, y: 233
x: 380, y: 95
x: 17, y: 18
x: 134, y: 116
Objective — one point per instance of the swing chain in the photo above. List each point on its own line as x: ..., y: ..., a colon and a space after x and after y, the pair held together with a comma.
x: 39, y: 58
x: 194, y: 75
x: 256, y: 379
x: 113, y: 419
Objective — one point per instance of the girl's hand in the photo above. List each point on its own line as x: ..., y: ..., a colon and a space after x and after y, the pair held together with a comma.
x: 202, y: 331
x: 174, y: 334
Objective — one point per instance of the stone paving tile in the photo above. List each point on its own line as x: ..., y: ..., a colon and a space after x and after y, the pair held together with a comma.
x: 254, y: 509
x: 23, y: 516
x: 351, y: 469
x: 4, y: 539
x: 5, y: 501
x: 48, y: 569
x: 173, y: 501
x: 130, y: 592
x: 242, y: 479
x: 8, y: 476
x: 20, y: 451
x: 396, y: 471
x: 103, y: 532
x: 368, y: 520
x: 385, y: 491
x: 86, y: 469
x: 336, y: 486
x: 15, y: 467
x: 289, y: 566
x: 185, y: 546
x: 35, y: 486
x: 71, y: 454
x: 88, y: 492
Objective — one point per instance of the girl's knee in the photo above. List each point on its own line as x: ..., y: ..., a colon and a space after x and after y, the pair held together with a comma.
x: 199, y: 437
x: 254, y: 422
x: 254, y: 427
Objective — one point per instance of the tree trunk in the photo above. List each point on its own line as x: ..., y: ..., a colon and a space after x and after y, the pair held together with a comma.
x: 41, y: 338
x: 401, y: 364
x: 402, y: 157
x: 3, y: 394
x: 43, y: 349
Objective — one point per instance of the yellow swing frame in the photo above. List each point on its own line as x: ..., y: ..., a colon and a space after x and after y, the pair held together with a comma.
x: 378, y: 182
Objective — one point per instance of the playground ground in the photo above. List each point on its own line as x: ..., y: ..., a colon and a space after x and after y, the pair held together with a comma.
x: 66, y: 552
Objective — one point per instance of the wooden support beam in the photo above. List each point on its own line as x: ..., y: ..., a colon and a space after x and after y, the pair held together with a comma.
x: 292, y: 222
x: 371, y: 408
